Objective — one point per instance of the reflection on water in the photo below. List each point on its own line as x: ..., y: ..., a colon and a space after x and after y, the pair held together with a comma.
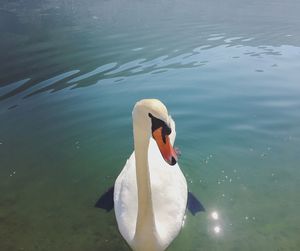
x: 70, y: 74
x: 216, y: 227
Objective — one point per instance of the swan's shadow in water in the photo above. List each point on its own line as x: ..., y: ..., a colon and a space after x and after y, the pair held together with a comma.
x: 106, y: 201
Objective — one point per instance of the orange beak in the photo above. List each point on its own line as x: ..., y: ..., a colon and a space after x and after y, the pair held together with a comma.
x: 165, y: 147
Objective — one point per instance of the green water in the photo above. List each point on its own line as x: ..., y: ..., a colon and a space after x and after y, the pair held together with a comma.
x: 70, y: 74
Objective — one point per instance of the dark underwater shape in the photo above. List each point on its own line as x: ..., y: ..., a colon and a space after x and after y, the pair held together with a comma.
x: 194, y: 205
x: 106, y: 201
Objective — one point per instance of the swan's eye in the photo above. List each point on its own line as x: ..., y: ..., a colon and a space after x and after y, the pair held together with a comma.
x: 167, y: 130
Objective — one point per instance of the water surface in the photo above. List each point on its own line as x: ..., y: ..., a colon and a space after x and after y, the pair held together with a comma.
x: 70, y: 75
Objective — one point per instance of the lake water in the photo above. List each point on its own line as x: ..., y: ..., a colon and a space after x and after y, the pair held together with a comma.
x: 70, y: 74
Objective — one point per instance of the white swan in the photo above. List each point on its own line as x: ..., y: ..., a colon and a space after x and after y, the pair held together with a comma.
x: 150, y: 193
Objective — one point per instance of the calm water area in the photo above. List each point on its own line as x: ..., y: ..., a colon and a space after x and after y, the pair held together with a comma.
x: 70, y: 74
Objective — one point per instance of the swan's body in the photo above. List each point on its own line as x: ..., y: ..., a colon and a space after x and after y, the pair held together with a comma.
x: 150, y: 196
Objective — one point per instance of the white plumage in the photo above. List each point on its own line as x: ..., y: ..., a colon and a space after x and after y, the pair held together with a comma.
x: 168, y: 189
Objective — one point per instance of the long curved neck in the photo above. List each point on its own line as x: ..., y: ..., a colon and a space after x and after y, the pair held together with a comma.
x: 145, y: 225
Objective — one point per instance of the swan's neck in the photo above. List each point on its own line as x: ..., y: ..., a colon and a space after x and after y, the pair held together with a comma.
x: 145, y: 233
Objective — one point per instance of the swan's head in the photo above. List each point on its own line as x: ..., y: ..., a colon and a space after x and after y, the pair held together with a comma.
x: 151, y: 117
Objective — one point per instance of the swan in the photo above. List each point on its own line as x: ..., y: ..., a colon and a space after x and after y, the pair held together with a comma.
x: 150, y: 195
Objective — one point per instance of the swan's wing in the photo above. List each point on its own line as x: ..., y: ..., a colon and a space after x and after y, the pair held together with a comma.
x: 125, y: 199
x: 194, y: 205
x: 173, y: 130
x: 106, y: 201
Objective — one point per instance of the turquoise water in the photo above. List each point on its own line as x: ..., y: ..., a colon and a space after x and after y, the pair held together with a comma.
x: 70, y: 75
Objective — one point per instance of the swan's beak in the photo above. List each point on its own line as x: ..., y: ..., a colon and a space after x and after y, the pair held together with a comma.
x: 165, y: 147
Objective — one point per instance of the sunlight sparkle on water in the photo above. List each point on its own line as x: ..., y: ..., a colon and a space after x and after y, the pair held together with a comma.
x: 217, y: 229
x: 215, y: 215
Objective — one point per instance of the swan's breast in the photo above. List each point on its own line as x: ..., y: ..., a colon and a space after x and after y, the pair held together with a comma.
x: 169, y: 195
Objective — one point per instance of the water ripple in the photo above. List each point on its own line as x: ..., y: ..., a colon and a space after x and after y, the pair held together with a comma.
x: 212, y: 56
x: 98, y: 70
